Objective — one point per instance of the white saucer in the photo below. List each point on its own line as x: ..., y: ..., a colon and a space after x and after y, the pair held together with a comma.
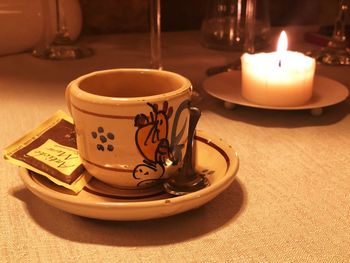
x: 227, y: 87
x: 217, y: 160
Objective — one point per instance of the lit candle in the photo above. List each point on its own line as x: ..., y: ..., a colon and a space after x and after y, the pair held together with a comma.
x: 282, y: 78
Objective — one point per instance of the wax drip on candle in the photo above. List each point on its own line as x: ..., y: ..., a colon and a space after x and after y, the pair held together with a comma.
x: 282, y: 46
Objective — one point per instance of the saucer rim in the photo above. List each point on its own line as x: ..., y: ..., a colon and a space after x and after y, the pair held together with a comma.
x: 236, y: 98
x: 206, y: 194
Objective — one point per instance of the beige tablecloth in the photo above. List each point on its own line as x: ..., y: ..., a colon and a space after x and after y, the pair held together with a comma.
x: 289, y: 203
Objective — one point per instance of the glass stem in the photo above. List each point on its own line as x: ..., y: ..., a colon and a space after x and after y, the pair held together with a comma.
x: 62, y: 35
x: 45, y: 38
x: 58, y: 17
x: 339, y: 38
x: 155, y: 30
x: 249, y: 46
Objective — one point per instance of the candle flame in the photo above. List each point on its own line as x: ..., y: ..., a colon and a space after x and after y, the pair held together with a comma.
x: 282, y: 44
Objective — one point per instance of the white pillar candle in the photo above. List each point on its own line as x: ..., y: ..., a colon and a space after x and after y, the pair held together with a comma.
x: 282, y: 78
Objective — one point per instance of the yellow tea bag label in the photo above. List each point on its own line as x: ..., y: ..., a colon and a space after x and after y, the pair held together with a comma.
x: 62, y: 158
x: 51, y: 150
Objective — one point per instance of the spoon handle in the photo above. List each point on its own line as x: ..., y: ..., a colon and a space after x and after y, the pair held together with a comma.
x: 188, y: 169
x: 187, y: 181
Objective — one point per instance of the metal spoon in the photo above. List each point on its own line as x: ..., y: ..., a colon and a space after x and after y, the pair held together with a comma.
x: 235, y: 65
x: 187, y: 180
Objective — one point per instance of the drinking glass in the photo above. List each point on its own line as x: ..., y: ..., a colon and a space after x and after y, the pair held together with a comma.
x: 62, y: 46
x: 227, y: 23
x: 155, y: 31
x: 336, y: 53
x: 247, y: 43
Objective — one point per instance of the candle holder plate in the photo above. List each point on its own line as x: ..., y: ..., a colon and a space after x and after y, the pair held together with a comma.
x: 227, y: 87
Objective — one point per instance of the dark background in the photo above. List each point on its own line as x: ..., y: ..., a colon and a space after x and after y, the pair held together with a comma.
x: 118, y: 16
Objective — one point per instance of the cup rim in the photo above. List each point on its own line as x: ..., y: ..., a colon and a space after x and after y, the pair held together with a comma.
x: 74, y: 87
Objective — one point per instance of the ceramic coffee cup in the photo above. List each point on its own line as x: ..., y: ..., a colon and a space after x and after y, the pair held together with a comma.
x: 131, y: 124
